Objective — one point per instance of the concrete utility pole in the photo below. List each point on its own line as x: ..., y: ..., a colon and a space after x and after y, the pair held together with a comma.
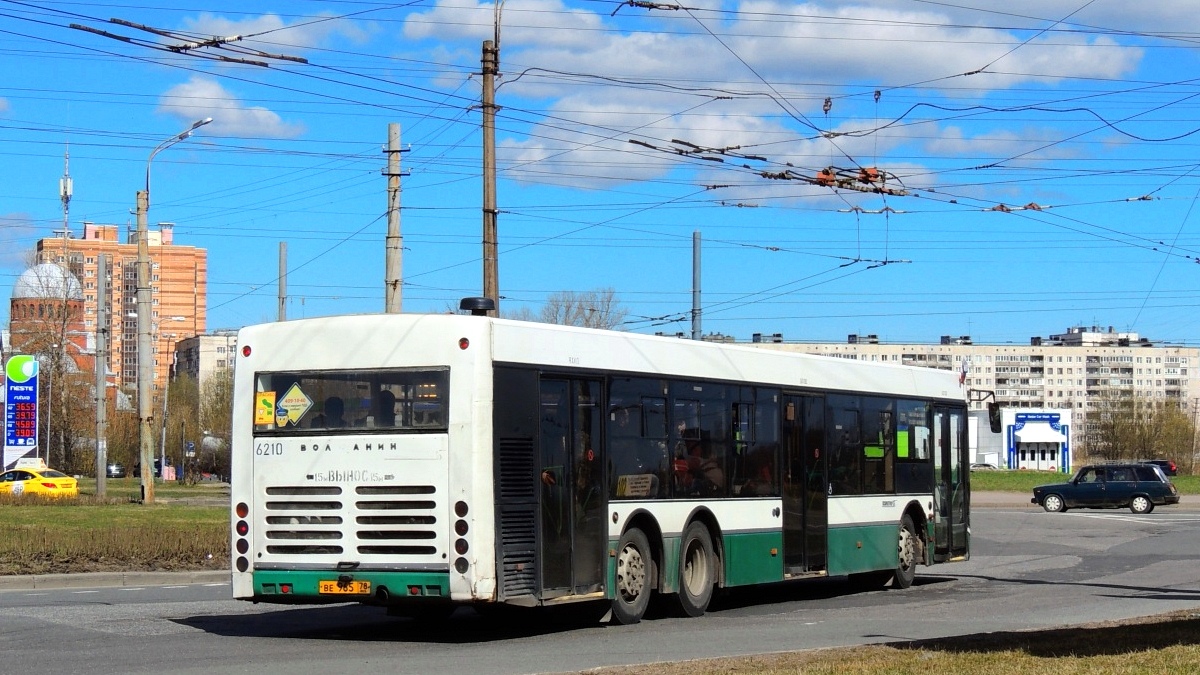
x: 145, y: 304
x: 392, y: 290
x: 101, y: 375
x: 283, y: 281
x: 696, y: 332
x: 491, y: 272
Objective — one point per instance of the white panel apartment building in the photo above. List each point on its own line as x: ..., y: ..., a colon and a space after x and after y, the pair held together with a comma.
x: 202, y: 355
x: 1071, y: 371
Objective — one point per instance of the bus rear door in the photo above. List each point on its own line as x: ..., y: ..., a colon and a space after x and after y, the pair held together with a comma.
x: 805, y: 510
x: 572, y: 529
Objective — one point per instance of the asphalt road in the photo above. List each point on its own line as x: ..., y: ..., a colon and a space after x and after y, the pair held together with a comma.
x: 1029, y: 569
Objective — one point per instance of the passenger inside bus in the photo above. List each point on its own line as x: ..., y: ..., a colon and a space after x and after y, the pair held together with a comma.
x: 385, y: 413
x: 332, y: 416
x: 762, y: 481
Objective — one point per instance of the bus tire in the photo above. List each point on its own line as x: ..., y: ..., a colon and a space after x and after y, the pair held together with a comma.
x: 633, y: 577
x: 906, y: 547
x: 697, y: 570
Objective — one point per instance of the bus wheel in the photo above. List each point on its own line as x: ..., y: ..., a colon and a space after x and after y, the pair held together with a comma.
x: 906, y: 567
x: 633, y: 577
x: 697, y: 570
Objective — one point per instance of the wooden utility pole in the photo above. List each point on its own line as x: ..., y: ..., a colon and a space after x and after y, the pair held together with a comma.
x: 491, y: 272
x: 697, y: 333
x: 392, y: 290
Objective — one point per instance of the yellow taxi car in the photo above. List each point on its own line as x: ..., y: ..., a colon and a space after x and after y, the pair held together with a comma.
x: 37, y: 479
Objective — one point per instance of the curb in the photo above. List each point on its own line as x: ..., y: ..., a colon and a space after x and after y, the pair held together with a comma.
x: 26, y: 582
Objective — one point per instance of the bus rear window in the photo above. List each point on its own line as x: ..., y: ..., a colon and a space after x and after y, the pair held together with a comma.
x: 359, y: 400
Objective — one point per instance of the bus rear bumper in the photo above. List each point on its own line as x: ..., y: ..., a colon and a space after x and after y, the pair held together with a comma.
x: 331, y: 586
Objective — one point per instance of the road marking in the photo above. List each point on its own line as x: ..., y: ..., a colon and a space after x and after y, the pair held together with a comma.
x: 1163, y: 518
x: 83, y: 592
x: 140, y: 588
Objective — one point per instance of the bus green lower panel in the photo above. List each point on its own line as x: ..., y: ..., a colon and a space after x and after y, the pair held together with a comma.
x: 277, y: 585
x: 753, y: 558
x: 862, y: 548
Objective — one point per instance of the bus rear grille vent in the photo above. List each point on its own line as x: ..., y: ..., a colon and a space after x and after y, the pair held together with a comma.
x: 388, y: 520
x: 395, y: 489
x: 303, y: 550
x: 518, y: 544
x: 304, y: 490
x: 516, y: 468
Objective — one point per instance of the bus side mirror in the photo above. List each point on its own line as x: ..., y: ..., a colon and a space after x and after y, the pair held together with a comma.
x: 993, y: 409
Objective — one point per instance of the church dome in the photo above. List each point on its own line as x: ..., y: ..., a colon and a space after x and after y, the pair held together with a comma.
x: 47, y: 281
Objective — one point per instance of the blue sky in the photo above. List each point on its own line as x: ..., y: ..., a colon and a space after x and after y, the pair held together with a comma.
x: 1040, y: 162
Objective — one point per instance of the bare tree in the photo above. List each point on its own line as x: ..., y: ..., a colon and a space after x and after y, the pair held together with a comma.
x: 216, y: 419
x: 522, y: 313
x: 47, y: 323
x: 589, y: 309
x: 1122, y: 426
x: 182, y: 421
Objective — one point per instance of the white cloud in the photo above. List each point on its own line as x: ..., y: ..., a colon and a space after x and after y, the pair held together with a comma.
x: 307, y: 33
x: 201, y: 97
x: 3, y: 105
x: 774, y: 62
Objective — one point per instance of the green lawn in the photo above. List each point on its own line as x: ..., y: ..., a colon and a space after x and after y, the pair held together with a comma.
x: 1025, y: 481
x: 186, y: 528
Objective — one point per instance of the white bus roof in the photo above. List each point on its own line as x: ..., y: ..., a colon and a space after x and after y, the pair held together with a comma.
x: 396, y: 340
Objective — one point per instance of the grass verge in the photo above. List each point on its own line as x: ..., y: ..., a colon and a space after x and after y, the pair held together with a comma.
x: 1025, y: 481
x: 1160, y: 645
x: 87, y: 535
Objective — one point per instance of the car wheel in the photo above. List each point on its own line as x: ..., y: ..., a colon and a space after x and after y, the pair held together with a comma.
x: 633, y: 575
x: 1053, y: 504
x: 1141, y: 504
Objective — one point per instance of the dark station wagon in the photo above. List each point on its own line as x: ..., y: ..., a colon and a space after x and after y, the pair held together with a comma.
x: 1138, y: 486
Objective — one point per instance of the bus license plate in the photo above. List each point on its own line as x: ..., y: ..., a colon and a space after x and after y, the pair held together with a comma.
x: 344, y: 587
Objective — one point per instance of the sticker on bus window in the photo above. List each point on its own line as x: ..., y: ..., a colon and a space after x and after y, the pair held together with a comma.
x: 264, y: 408
x: 636, y: 485
x: 292, y: 406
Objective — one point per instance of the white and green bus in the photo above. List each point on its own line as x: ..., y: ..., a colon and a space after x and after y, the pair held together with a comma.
x: 422, y: 462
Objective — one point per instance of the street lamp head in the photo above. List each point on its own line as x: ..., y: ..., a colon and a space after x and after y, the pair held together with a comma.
x: 199, y: 123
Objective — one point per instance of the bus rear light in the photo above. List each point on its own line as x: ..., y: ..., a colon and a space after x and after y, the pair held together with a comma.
x: 414, y: 590
x: 242, y: 564
x: 242, y: 510
x: 285, y: 588
x: 243, y: 546
x: 460, y: 509
x: 460, y: 527
x: 460, y: 546
x: 463, y: 343
x: 245, y: 350
x: 461, y: 565
x: 242, y: 528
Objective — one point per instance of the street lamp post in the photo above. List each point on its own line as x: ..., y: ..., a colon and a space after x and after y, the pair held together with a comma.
x: 145, y: 354
x: 165, y: 395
